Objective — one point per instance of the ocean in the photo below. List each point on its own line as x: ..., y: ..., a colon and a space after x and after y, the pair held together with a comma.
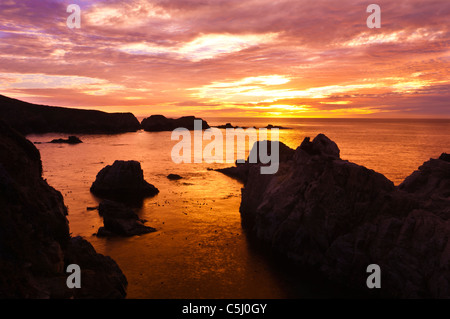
x: 200, y: 249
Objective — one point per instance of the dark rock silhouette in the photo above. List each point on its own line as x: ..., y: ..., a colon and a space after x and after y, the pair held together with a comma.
x: 159, y: 123
x: 35, y: 243
x: 30, y: 118
x: 174, y: 177
x: 228, y: 125
x: 69, y: 140
x: 121, y: 220
x: 339, y: 217
x: 123, y: 181
x: 241, y: 170
x: 270, y: 126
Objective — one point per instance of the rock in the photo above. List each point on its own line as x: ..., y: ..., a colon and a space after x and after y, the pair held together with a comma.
x: 120, y: 220
x: 123, y: 181
x: 70, y: 140
x: 159, y: 123
x: 339, y: 217
x: 270, y: 126
x: 28, y: 118
x: 101, y: 276
x: 174, y: 177
x: 35, y: 243
x: 241, y: 170
x: 445, y: 157
x: 228, y: 125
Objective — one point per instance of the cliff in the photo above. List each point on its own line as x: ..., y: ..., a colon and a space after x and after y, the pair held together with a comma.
x: 339, y: 217
x: 30, y: 118
x: 35, y: 243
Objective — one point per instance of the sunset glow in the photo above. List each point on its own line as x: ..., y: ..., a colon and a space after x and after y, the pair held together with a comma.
x: 230, y: 58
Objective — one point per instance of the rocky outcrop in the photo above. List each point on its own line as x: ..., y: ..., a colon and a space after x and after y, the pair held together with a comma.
x: 241, y: 170
x: 30, y: 118
x: 35, y: 243
x: 160, y: 123
x: 339, y: 217
x: 120, y: 220
x: 123, y: 181
x: 70, y: 140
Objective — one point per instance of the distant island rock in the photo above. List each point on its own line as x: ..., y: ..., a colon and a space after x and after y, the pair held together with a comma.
x: 28, y: 118
x: 160, y: 123
x: 70, y: 140
x: 120, y: 220
x: 123, y: 181
x: 269, y: 126
x: 339, y: 217
x: 35, y: 242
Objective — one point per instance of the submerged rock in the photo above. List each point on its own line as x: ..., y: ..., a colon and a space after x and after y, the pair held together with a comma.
x: 35, y: 243
x: 120, y: 220
x: 160, y: 123
x: 70, y: 140
x: 123, y: 181
x: 339, y: 217
x: 174, y: 177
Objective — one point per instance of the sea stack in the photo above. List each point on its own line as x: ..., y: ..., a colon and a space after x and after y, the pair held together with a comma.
x: 123, y: 181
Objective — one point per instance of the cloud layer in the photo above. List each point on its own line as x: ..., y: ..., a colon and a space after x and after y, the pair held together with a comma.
x: 230, y: 58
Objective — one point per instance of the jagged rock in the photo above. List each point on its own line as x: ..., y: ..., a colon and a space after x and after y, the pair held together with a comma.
x: 159, y: 123
x: 28, y: 118
x: 70, y: 140
x: 124, y: 181
x: 35, y: 243
x: 241, y: 170
x: 174, y: 177
x: 339, y: 217
x: 120, y: 220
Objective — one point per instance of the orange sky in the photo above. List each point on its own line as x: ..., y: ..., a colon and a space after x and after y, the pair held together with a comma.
x: 230, y: 58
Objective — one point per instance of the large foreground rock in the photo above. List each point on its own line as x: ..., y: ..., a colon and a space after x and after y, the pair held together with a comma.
x: 30, y: 118
x: 123, y: 181
x: 160, y: 123
x: 35, y: 243
x: 120, y: 220
x: 340, y: 217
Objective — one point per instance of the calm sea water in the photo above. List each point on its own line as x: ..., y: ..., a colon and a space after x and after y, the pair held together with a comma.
x: 200, y: 249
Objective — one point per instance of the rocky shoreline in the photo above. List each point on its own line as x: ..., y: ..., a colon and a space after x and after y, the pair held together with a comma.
x: 339, y: 217
x: 35, y: 243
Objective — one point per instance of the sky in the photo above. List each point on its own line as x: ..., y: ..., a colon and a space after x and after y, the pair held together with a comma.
x: 214, y: 58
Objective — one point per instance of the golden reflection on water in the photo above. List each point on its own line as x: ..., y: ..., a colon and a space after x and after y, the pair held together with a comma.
x: 200, y: 249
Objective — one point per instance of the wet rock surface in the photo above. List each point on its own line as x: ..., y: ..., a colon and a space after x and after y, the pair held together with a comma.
x: 339, y: 217
x: 35, y: 243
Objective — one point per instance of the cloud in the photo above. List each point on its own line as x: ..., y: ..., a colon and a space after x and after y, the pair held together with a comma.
x: 172, y: 56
